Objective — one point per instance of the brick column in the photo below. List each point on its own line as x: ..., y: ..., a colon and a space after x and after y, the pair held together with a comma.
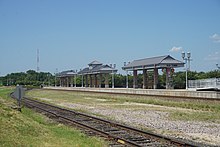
x: 106, y: 81
x: 100, y: 80
x: 135, y: 79
x: 63, y: 82
x: 144, y: 79
x: 155, y: 78
x: 96, y: 82
x: 67, y: 81
x: 90, y: 80
x: 167, y: 78
x: 86, y: 80
x: 71, y: 79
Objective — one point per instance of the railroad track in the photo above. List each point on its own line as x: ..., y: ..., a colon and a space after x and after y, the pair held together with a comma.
x: 121, y: 135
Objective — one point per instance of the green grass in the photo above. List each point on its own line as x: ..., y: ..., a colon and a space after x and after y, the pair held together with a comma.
x: 196, y: 116
x: 80, y: 97
x: 205, y: 110
x: 32, y: 129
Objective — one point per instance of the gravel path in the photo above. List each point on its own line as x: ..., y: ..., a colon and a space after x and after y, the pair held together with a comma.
x: 157, y: 120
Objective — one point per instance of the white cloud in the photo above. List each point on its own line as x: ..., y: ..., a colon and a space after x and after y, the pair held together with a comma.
x: 215, y: 38
x: 176, y: 49
x: 213, y: 57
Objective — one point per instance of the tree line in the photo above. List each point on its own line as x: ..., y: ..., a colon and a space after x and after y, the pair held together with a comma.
x: 33, y: 78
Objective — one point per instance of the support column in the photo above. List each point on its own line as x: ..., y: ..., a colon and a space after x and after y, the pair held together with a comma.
x: 90, y: 81
x: 63, y: 82
x: 71, y: 80
x: 135, y: 79
x: 167, y: 78
x: 60, y: 82
x: 106, y: 81
x: 96, y: 82
x: 86, y: 80
x: 144, y: 79
x: 67, y: 81
x: 155, y: 78
x: 100, y: 80
x: 82, y: 81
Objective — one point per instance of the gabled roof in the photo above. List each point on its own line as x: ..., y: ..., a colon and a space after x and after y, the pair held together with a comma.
x: 149, y: 63
x: 95, y: 62
x: 97, y: 67
x: 67, y: 73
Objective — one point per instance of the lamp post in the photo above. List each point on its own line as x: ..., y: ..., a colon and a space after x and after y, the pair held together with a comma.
x: 126, y: 76
x: 217, y: 66
x: 113, y: 81
x: 187, y: 60
x: 82, y: 77
x: 75, y: 79
x: 55, y: 80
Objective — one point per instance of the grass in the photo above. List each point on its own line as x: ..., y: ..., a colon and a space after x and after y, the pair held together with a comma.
x: 204, y: 111
x: 198, y: 116
x: 32, y: 129
x: 81, y: 97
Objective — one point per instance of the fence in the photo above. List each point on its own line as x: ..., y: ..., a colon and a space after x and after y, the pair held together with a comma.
x: 205, y: 83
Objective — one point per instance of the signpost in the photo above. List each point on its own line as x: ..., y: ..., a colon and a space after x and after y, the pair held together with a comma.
x: 19, y: 93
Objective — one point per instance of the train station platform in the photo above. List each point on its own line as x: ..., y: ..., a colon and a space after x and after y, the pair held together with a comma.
x: 147, y: 92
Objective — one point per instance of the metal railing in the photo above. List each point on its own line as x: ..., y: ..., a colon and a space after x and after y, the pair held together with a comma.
x: 205, y: 83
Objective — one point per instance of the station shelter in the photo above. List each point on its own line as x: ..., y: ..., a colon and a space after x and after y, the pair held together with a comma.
x: 166, y: 63
x: 66, y: 78
x: 95, y: 73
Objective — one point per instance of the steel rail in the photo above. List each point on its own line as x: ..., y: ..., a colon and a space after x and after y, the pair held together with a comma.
x: 65, y: 114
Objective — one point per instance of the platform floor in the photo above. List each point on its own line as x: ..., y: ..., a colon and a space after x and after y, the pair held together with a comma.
x: 154, y: 92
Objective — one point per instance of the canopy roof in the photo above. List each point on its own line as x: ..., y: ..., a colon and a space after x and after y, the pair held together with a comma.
x: 67, y: 73
x: 154, y: 62
x: 97, y: 67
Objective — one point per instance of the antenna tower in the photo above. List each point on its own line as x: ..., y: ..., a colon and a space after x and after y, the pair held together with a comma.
x: 38, y: 60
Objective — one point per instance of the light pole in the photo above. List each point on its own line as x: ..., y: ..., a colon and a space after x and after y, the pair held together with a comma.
x: 82, y: 77
x: 126, y: 76
x: 75, y: 79
x: 48, y: 78
x: 55, y: 76
x: 113, y: 81
x: 55, y: 80
x: 187, y: 60
x: 217, y: 66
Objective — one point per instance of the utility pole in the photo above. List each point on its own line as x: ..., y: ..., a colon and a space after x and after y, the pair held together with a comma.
x: 38, y: 60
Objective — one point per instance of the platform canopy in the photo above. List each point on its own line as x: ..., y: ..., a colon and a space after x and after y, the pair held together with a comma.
x: 154, y: 62
x: 96, y: 67
x: 67, y: 73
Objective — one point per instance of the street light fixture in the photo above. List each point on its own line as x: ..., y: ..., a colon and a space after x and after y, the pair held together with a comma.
x: 55, y: 76
x: 113, y: 81
x: 126, y: 76
x: 82, y: 77
x: 217, y: 66
x: 187, y: 60
x: 75, y: 79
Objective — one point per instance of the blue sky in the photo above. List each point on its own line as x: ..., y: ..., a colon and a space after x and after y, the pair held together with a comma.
x: 71, y: 33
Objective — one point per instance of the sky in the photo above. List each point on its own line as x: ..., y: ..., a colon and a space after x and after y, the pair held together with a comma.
x: 72, y: 33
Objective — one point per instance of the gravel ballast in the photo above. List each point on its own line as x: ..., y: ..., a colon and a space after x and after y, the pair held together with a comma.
x: 156, y: 119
